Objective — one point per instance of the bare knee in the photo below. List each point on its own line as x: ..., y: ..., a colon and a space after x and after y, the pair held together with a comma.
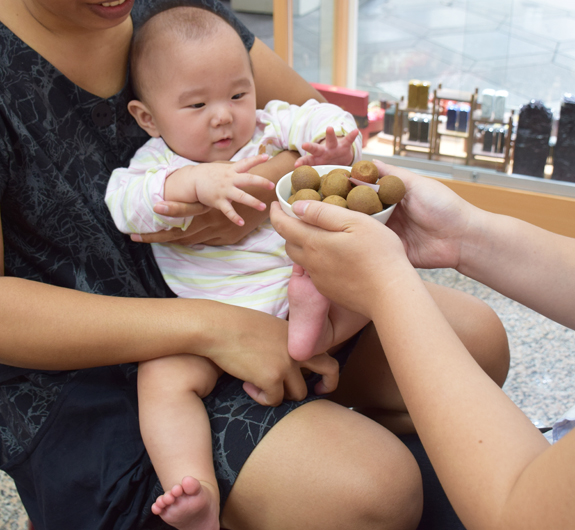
x: 486, y: 339
x: 391, y: 496
x: 177, y: 374
x: 324, y: 466
x: 478, y: 327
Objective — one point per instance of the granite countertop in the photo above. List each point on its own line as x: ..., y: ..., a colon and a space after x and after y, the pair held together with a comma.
x: 540, y: 378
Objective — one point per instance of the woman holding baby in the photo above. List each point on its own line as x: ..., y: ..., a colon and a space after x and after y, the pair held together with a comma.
x: 83, y: 304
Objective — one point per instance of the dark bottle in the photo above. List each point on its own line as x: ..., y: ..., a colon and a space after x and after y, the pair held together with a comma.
x: 462, y: 119
x: 452, y: 112
x: 413, y: 128
x: 532, y: 141
x: 564, y: 150
x: 424, y: 129
x: 488, y: 139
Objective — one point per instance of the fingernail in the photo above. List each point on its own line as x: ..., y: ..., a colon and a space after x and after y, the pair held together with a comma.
x: 299, y: 207
x: 136, y: 237
x: 161, y: 208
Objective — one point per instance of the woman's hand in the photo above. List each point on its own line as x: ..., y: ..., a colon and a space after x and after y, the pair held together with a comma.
x: 431, y: 220
x: 351, y: 258
x: 252, y: 346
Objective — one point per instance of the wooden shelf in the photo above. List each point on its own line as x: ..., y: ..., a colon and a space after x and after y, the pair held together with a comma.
x: 400, y: 135
x: 477, y: 149
x: 454, y: 134
x: 472, y: 152
x: 438, y: 130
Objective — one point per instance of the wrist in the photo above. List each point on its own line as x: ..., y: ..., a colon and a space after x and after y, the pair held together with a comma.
x: 479, y: 240
x: 391, y: 289
x: 180, y: 186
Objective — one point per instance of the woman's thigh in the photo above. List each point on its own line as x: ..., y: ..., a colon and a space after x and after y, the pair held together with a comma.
x: 367, y: 380
x: 324, y: 466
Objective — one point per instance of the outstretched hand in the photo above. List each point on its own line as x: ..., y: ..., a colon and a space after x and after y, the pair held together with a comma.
x: 336, y: 150
x: 431, y: 220
x: 217, y: 185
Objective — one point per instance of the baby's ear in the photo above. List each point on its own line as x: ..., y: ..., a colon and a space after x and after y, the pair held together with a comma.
x: 143, y: 117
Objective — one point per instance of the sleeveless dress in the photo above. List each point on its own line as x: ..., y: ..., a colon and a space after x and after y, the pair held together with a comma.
x: 71, y: 439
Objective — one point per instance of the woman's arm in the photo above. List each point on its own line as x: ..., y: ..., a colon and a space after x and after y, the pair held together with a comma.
x: 275, y: 79
x: 496, y: 467
x: 521, y: 261
x: 52, y: 328
x: 524, y: 262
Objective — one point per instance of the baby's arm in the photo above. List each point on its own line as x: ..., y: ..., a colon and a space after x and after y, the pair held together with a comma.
x: 217, y: 184
x: 321, y: 132
x: 134, y: 191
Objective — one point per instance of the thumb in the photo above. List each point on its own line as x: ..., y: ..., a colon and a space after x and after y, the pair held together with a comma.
x: 241, y: 166
x: 327, y: 216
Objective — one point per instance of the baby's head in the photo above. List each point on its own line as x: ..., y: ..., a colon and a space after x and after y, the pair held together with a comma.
x: 194, y: 83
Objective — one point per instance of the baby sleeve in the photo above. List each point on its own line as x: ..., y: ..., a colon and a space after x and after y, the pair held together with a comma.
x: 132, y: 192
x: 295, y: 125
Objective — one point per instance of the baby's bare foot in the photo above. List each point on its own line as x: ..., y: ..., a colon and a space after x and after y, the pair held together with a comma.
x: 308, y: 310
x: 190, y: 505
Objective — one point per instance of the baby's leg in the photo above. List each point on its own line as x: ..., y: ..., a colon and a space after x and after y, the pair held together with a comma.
x: 316, y: 324
x: 177, y: 435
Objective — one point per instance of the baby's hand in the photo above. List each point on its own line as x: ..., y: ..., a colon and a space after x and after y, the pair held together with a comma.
x: 336, y: 150
x: 217, y: 185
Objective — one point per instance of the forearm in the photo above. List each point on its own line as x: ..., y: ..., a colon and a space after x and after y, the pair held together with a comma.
x: 524, y: 262
x: 478, y: 441
x: 53, y: 328
x: 132, y: 193
x: 276, y: 80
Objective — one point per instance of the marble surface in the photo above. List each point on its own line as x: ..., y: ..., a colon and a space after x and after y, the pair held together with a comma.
x: 539, y: 382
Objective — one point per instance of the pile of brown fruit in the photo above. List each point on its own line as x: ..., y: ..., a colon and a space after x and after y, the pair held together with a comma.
x: 336, y: 187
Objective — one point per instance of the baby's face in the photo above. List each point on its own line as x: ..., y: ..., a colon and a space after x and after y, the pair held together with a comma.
x: 202, y: 95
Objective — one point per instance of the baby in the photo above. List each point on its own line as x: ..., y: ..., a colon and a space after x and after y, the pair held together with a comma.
x: 193, y: 77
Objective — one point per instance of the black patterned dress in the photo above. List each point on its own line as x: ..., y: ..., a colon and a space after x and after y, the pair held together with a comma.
x: 70, y: 439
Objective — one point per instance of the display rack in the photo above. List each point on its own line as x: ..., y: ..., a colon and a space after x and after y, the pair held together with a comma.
x: 501, y: 156
x: 403, y: 138
x: 438, y: 129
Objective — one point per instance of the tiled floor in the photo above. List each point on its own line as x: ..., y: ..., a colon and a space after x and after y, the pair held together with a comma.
x: 405, y: 39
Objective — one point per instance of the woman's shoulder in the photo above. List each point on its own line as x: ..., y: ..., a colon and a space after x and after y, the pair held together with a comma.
x: 11, y: 47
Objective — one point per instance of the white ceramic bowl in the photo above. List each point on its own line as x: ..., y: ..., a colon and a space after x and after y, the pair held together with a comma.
x: 283, y: 191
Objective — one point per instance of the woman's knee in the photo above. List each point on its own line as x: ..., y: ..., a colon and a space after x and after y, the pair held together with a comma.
x: 391, y: 494
x: 324, y: 466
x: 479, y: 328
